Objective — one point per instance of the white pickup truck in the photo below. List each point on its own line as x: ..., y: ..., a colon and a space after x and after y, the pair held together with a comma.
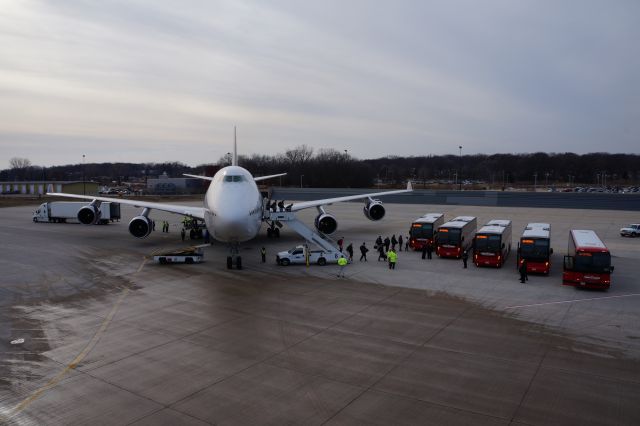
x: 298, y: 255
x: 632, y: 230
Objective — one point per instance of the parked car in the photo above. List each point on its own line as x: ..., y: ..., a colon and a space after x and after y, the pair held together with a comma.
x: 632, y: 230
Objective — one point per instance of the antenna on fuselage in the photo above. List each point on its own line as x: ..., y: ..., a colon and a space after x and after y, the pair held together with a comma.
x: 234, y: 161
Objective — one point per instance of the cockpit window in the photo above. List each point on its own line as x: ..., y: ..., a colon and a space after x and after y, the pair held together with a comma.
x: 234, y: 178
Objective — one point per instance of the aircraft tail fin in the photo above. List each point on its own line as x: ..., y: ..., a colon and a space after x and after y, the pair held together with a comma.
x: 234, y: 161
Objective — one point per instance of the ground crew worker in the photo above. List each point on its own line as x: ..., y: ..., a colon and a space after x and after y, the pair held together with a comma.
x: 182, y: 234
x: 281, y: 205
x: 523, y: 271
x: 342, y: 262
x: 263, y: 253
x: 406, y: 244
x: 400, y: 242
x: 465, y: 257
x: 393, y: 258
x: 429, y: 250
x: 350, y: 251
x: 424, y: 250
x: 363, y: 252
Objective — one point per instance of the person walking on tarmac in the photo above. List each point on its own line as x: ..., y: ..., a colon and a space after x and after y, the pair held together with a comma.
x: 465, y: 257
x: 523, y: 271
x: 387, y: 243
x: 340, y: 243
x: 378, y: 242
x: 182, y: 234
x: 263, y: 254
x: 400, y: 242
x: 406, y: 244
x: 350, y: 252
x: 424, y: 250
x: 363, y: 252
x: 393, y: 258
x: 393, y: 242
x: 381, y: 254
x: 429, y: 247
x: 342, y: 263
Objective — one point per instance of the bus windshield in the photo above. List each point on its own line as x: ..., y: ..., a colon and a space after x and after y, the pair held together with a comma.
x: 536, y: 249
x: 449, y: 236
x: 421, y: 230
x: 592, y: 262
x: 489, y: 243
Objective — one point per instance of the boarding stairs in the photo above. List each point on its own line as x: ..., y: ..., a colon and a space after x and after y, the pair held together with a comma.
x: 310, y: 235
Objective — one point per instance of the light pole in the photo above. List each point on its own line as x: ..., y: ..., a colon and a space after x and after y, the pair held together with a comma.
x: 301, y: 180
x: 460, y: 167
x: 546, y: 180
x: 535, y: 182
x: 84, y: 185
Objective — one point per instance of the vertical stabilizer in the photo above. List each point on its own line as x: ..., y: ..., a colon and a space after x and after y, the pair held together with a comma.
x: 235, y: 149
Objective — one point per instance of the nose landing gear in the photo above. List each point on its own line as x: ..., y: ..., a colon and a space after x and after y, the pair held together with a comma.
x: 234, y: 256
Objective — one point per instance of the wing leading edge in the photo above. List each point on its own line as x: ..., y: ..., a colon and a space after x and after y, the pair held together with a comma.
x: 317, y: 203
x: 196, y: 212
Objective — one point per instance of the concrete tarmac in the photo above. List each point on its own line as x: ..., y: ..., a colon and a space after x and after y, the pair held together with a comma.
x: 111, y: 338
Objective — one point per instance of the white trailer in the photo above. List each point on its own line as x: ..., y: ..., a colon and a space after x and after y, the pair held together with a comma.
x: 61, y: 211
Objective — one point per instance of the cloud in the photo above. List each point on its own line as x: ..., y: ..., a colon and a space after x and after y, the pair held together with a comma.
x: 156, y: 78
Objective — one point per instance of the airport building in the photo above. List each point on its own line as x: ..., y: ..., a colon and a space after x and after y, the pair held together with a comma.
x: 40, y: 187
x: 164, y: 184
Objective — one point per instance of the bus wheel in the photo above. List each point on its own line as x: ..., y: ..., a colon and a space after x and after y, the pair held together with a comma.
x: 229, y: 262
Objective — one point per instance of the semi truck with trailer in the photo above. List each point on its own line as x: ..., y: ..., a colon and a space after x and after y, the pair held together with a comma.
x: 62, y: 211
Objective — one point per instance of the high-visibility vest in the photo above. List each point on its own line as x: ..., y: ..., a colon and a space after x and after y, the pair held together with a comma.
x: 392, y: 256
x: 342, y: 261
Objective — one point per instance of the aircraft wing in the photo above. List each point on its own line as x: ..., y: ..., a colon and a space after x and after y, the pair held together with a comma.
x: 196, y: 212
x: 316, y: 203
x: 259, y: 178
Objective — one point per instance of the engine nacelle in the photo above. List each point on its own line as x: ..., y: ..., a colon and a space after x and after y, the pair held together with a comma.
x: 140, y: 226
x: 374, y: 210
x: 326, y: 223
x: 89, y: 215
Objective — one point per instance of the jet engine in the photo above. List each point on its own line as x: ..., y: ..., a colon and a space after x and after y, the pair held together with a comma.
x: 374, y: 210
x: 326, y: 223
x: 140, y: 226
x: 89, y: 215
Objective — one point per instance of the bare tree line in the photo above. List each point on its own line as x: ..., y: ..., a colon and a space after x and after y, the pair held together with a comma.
x: 332, y: 168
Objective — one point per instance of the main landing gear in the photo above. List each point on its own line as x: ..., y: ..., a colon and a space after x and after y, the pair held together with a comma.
x: 234, y: 256
x: 273, y: 231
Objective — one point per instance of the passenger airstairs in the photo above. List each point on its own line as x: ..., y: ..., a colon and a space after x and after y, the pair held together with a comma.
x: 309, y: 234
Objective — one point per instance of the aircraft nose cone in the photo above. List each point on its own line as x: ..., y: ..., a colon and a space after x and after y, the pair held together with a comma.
x: 231, y: 227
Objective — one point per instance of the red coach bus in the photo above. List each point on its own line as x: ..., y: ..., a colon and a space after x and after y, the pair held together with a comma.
x: 492, y: 243
x: 535, y: 247
x: 455, y: 236
x: 588, y: 261
x: 423, y: 229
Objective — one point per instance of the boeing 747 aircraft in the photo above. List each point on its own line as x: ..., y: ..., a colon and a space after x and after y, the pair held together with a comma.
x: 233, y: 208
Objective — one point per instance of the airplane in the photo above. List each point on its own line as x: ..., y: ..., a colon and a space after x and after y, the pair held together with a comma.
x: 233, y: 209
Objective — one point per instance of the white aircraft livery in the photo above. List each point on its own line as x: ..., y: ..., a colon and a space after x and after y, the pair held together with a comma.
x: 233, y: 208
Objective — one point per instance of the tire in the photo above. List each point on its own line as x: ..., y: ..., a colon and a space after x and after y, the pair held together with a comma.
x: 634, y: 235
x: 188, y: 260
x: 322, y: 261
x: 239, y: 262
x: 269, y: 233
x: 162, y: 260
x: 284, y: 262
x: 229, y: 262
x: 35, y: 220
x: 276, y: 232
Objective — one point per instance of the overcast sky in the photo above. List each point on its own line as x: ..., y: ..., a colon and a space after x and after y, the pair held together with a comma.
x: 156, y: 80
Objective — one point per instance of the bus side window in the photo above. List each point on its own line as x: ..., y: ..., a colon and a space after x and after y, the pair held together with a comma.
x: 568, y: 263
